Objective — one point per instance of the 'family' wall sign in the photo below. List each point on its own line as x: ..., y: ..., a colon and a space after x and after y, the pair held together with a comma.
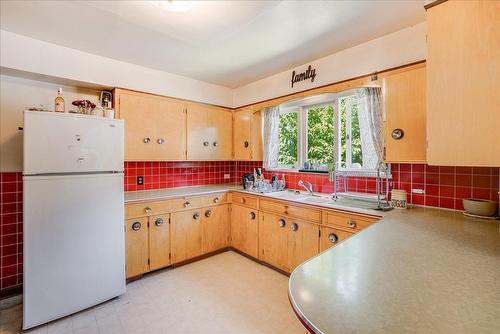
x: 310, y: 73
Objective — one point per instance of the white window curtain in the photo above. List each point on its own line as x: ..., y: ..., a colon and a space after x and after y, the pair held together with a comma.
x: 370, y: 125
x: 271, y: 139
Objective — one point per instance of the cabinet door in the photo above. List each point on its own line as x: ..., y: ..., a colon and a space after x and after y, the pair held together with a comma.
x: 463, y: 76
x: 303, y: 242
x: 245, y: 229
x: 186, y: 235
x: 159, y: 242
x: 404, y: 95
x: 215, y: 222
x: 331, y: 237
x: 136, y: 240
x: 209, y: 133
x: 154, y: 127
x: 273, y: 240
x: 242, y: 141
x: 256, y: 136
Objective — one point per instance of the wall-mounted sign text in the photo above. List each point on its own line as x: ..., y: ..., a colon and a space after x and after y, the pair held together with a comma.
x: 310, y: 73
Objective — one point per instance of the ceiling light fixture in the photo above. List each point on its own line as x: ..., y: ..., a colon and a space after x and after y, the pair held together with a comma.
x: 174, y: 6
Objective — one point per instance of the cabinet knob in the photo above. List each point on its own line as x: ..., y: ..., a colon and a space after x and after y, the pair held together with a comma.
x: 246, y: 144
x: 159, y: 221
x: 196, y: 215
x: 351, y: 223
x: 206, y: 143
x: 160, y: 141
x: 215, y: 144
x: 136, y: 226
x: 252, y: 215
x: 333, y: 238
x: 148, y: 209
x: 216, y: 200
x: 186, y: 204
x: 397, y: 134
x: 146, y: 140
x: 294, y: 227
x: 281, y: 222
x: 243, y: 200
x: 208, y: 213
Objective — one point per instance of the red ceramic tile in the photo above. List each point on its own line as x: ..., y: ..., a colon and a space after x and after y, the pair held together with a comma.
x: 463, y: 180
x: 446, y: 191
x: 481, y: 193
x: 447, y: 179
x: 459, y: 205
x: 463, y: 192
x: 432, y: 169
x: 448, y: 203
x: 417, y: 199
x: 432, y: 190
x: 464, y: 170
x: 481, y: 170
x: 481, y: 181
x: 446, y: 170
x: 432, y: 179
x: 417, y: 168
x: 432, y: 201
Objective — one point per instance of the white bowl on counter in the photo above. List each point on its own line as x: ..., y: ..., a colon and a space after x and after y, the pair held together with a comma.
x: 480, y: 207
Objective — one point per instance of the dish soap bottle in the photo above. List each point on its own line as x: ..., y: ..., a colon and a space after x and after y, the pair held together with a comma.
x: 59, y: 101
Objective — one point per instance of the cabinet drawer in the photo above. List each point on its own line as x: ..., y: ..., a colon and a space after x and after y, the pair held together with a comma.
x: 346, y: 221
x: 197, y: 202
x: 302, y: 212
x: 147, y: 209
x: 244, y: 199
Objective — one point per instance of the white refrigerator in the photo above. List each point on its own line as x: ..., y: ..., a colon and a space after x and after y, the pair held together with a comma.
x: 74, y: 242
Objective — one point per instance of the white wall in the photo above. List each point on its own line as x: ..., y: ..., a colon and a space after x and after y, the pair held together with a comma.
x: 15, y: 95
x: 31, y: 55
x: 396, y: 49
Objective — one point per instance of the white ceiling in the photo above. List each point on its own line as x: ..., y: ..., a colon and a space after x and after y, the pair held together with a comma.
x: 230, y: 43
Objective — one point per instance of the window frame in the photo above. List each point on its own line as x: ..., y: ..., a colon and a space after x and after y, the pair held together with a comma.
x: 302, y: 107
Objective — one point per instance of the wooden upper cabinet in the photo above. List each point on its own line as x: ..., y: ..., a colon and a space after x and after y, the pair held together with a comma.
x: 242, y: 127
x: 247, y: 134
x: 404, y: 97
x: 463, y: 80
x: 209, y: 133
x: 155, y: 127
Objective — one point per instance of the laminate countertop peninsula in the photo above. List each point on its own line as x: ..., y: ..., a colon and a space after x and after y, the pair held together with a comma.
x: 415, y: 271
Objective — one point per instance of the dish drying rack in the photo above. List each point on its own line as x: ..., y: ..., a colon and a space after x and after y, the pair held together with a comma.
x: 339, y: 176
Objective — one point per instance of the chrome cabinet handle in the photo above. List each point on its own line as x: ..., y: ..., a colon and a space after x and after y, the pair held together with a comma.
x: 148, y: 209
x: 206, y: 143
x: 208, y: 213
x: 252, y: 215
x: 216, y: 200
x: 215, y: 144
x: 136, y: 226
x: 146, y: 140
x: 158, y: 221
x: 186, y: 204
x: 160, y: 141
x: 294, y: 227
x: 333, y: 238
x: 351, y: 223
x: 196, y: 215
x: 246, y: 144
x: 281, y: 222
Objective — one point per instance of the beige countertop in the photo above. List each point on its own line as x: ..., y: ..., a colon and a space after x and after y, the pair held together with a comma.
x: 415, y: 271
x: 154, y: 195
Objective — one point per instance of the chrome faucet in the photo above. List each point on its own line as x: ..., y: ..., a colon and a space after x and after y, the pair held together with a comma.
x: 307, y: 186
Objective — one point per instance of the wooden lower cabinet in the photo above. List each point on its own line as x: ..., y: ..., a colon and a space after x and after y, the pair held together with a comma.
x: 330, y: 237
x: 215, y: 225
x: 159, y: 242
x: 273, y: 240
x: 302, y: 243
x: 137, y: 252
x: 245, y: 229
x: 186, y: 231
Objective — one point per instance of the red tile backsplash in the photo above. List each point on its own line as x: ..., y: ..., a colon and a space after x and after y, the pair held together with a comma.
x: 11, y: 237
x: 444, y: 187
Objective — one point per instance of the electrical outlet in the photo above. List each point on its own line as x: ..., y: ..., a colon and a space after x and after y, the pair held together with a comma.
x: 418, y: 191
x: 227, y: 176
x: 140, y: 180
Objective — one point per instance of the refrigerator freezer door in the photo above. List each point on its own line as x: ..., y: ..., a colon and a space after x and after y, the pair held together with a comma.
x: 74, y: 244
x: 68, y: 143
